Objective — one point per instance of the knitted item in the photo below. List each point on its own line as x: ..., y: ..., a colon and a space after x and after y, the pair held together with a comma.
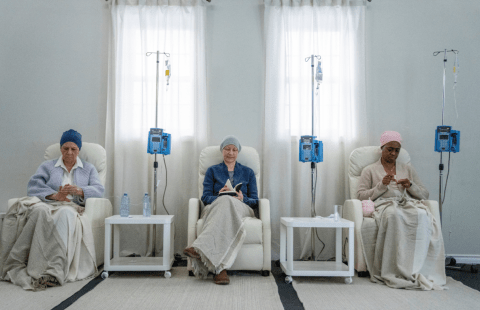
x: 368, y: 207
x: 72, y: 136
x: 230, y: 140
x: 389, y: 136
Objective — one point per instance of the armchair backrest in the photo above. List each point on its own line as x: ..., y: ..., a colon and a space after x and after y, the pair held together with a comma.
x: 211, y: 155
x: 90, y: 152
x: 364, y: 156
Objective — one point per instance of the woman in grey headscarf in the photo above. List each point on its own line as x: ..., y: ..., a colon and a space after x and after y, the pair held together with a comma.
x: 217, y: 246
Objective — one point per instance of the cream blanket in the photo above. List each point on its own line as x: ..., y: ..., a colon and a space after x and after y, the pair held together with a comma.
x: 45, y: 242
x: 222, y: 235
x: 405, y: 247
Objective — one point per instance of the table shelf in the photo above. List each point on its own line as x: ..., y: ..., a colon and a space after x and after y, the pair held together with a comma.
x: 317, y: 269
x: 138, y: 264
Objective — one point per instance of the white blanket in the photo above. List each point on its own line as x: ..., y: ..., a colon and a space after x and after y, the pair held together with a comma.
x: 222, y: 235
x: 43, y: 243
x: 405, y: 248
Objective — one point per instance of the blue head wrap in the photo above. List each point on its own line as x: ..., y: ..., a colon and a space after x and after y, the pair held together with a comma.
x: 72, y: 136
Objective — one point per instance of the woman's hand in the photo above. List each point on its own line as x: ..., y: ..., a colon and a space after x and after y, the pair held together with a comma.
x: 224, y: 189
x: 72, y: 190
x: 405, y: 183
x: 61, y: 195
x: 239, y: 196
x: 387, y: 179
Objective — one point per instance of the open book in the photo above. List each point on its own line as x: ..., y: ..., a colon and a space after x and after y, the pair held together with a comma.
x: 231, y: 191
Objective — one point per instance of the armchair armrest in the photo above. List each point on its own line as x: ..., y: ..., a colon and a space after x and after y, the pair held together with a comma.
x: 194, y: 205
x: 96, y: 211
x: 2, y: 215
x: 4, y: 212
x: 352, y: 211
x: 264, y: 213
x: 10, y: 203
x: 432, y: 205
x: 193, y: 216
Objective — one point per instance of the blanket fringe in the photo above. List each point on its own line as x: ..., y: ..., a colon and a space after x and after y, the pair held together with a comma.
x: 43, y: 282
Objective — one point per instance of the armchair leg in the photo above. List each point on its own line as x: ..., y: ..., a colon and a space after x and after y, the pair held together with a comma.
x: 363, y: 274
x: 265, y: 273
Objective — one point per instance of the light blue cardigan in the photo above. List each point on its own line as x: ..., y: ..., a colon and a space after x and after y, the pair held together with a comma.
x: 48, y: 179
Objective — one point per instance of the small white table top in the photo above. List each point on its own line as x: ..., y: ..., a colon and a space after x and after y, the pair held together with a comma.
x: 140, y: 219
x: 315, y: 222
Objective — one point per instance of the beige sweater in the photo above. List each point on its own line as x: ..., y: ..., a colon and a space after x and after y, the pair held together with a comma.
x: 371, y: 186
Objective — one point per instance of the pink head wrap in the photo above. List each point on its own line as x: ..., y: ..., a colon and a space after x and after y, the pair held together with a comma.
x: 389, y: 136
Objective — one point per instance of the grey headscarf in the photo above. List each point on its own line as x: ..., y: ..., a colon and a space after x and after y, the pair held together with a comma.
x: 230, y: 140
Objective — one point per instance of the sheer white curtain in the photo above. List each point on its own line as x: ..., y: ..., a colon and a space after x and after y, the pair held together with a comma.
x: 138, y: 27
x: 294, y: 30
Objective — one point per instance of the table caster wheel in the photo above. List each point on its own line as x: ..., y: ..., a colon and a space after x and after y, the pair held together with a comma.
x: 348, y: 280
x: 288, y: 279
x: 168, y: 274
x: 104, y: 274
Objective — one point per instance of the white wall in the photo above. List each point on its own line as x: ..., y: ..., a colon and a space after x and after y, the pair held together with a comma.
x: 235, y: 70
x: 53, y: 57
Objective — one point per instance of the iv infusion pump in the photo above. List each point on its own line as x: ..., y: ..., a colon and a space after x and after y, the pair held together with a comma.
x: 311, y: 150
x: 159, y: 142
x: 447, y: 140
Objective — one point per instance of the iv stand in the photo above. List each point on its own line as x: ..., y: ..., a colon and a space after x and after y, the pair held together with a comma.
x: 155, y: 163
x: 312, y: 59
x: 440, y: 167
x: 448, y: 260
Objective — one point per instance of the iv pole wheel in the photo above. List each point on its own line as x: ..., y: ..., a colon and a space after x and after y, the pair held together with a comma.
x: 474, y: 269
x: 168, y: 274
x: 104, y: 274
x: 453, y: 261
x: 348, y: 280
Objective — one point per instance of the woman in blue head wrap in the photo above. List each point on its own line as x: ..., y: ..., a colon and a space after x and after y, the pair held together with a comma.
x: 56, y: 242
x: 67, y: 178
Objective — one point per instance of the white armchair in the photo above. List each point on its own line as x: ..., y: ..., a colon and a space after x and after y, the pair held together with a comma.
x: 255, y: 253
x: 352, y: 209
x: 96, y: 209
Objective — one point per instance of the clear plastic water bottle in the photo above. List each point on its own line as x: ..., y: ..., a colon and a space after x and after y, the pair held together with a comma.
x: 147, y: 209
x: 125, y: 206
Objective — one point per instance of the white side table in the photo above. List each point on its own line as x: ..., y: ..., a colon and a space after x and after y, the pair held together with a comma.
x: 316, y: 268
x: 118, y: 263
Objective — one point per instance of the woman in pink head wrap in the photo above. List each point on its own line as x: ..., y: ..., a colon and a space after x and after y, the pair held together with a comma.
x: 386, y: 178
x: 403, y: 247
